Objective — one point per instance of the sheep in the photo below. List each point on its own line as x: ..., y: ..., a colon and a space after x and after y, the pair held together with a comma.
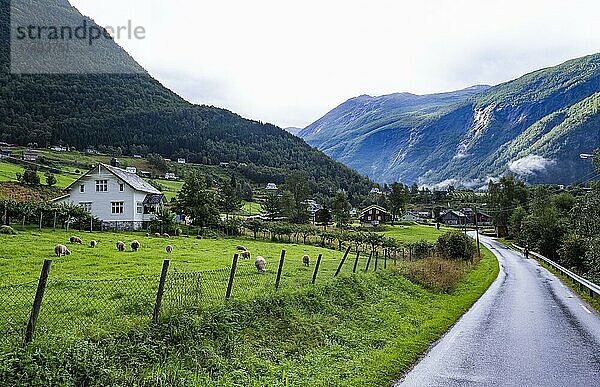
x: 61, y: 250
x: 241, y: 248
x: 75, y: 239
x: 120, y: 246
x: 166, y: 235
x: 157, y: 234
x: 135, y: 245
x: 246, y: 255
x: 147, y: 235
x: 306, y: 260
x: 261, y: 265
x: 93, y: 244
x: 169, y: 249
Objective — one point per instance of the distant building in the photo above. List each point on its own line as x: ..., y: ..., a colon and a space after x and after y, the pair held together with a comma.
x: 180, y: 161
x: 29, y: 156
x: 271, y: 187
x: 410, y: 216
x: 170, y: 176
x: 376, y: 191
x: 223, y: 164
x: 374, y: 216
x: 353, y: 212
x: 137, y: 156
x: 58, y: 148
x: 454, y: 218
x: 145, y: 174
x: 121, y: 200
x: 131, y: 169
x: 5, y: 153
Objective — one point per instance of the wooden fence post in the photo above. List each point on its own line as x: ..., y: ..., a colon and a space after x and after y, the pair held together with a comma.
x: 54, y: 224
x: 342, y: 262
x: 395, y: 257
x: 356, y: 260
x: 385, y: 257
x: 231, y: 277
x: 369, y: 261
x: 41, y: 219
x: 314, y: 277
x: 403, y: 254
x: 376, y: 260
x: 37, y: 301
x: 161, y: 291
x: 280, y: 269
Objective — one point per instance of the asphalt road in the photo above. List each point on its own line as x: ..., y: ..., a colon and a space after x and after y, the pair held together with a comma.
x: 528, y: 329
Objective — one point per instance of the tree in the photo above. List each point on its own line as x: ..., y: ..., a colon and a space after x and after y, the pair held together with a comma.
x: 323, y: 217
x: 341, y: 209
x: 197, y: 201
x: 297, y: 184
x: 504, y: 196
x: 230, y: 198
x: 29, y: 177
x: 157, y: 161
x: 517, y: 223
x: 164, y: 220
x: 398, y: 198
x: 272, y: 205
x: 50, y: 179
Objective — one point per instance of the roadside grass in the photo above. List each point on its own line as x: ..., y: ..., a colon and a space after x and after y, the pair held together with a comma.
x: 360, y: 330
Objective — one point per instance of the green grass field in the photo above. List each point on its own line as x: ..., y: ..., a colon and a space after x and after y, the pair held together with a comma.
x: 414, y: 232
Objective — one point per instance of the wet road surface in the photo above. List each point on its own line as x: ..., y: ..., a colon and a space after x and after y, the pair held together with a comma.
x: 528, y: 329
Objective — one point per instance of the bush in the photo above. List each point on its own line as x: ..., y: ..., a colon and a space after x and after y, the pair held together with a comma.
x: 421, y: 249
x: 7, y: 230
x: 456, y: 245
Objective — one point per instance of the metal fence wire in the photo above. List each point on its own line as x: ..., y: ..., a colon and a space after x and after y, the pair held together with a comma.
x: 89, y: 308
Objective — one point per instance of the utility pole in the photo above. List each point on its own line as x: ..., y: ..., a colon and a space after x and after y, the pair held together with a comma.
x: 477, y: 232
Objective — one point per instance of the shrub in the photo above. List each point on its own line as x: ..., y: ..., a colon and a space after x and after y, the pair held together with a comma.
x: 7, y: 230
x: 421, y: 249
x: 456, y: 245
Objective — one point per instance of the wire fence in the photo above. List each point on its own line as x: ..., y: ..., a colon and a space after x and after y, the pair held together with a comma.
x: 79, y: 309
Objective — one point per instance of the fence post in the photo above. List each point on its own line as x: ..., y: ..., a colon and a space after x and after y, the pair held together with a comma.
x: 395, y: 257
x: 161, y: 290
x: 369, y: 261
x: 280, y: 269
x: 41, y: 219
x: 231, y: 277
x: 385, y: 257
x: 403, y: 254
x: 410, y: 253
x: 314, y: 277
x: 342, y: 262
x: 37, y: 302
x: 356, y: 260
x: 376, y: 260
x: 54, y: 224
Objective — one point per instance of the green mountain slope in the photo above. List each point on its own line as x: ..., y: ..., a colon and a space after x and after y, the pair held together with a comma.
x: 135, y: 113
x: 535, y: 126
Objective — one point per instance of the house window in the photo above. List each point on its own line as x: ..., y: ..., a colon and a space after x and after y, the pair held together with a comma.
x: 140, y: 207
x: 101, y: 185
x: 121, y: 187
x: 379, y: 217
x: 368, y: 218
x: 116, y: 208
x: 86, y: 206
x: 82, y: 188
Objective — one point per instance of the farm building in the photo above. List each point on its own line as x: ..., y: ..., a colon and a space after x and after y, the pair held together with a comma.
x: 453, y: 218
x: 180, y: 161
x: 29, y: 156
x: 410, y: 216
x: 374, y: 216
x: 271, y: 187
x: 5, y: 153
x: 483, y: 219
x: 170, y: 176
x: 121, y: 200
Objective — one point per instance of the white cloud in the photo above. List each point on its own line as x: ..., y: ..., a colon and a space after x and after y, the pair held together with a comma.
x: 289, y: 62
x: 530, y: 165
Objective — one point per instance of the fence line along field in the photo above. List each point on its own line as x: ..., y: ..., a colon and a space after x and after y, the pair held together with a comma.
x: 96, y: 290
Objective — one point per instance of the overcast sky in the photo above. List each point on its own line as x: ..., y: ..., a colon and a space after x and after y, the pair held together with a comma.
x: 289, y: 62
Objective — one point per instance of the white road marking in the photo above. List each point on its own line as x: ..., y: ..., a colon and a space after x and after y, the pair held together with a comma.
x: 586, y: 309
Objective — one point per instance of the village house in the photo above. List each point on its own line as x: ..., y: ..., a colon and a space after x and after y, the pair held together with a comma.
x: 170, y: 176
x: 121, y: 200
x: 483, y: 219
x: 180, y: 161
x: 374, y: 216
x: 131, y: 170
x: 5, y: 153
x: 410, y: 216
x: 454, y: 218
x: 29, y: 156
x: 271, y: 187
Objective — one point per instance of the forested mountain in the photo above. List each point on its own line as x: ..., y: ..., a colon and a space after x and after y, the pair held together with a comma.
x: 535, y: 126
x: 134, y: 113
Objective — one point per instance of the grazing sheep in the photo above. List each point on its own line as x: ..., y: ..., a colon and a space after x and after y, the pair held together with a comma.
x: 166, y: 235
x: 241, y: 248
x: 246, y: 255
x: 93, y: 244
x: 147, y: 235
x: 120, y: 246
x: 61, y: 250
x: 306, y: 260
x: 169, y: 249
x: 157, y: 234
x: 135, y: 245
x: 261, y: 265
x: 75, y: 239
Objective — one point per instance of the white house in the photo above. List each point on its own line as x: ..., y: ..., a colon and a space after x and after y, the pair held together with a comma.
x: 170, y: 176
x: 410, y: 216
x: 271, y: 187
x: 122, y: 200
x: 180, y: 161
x: 131, y: 170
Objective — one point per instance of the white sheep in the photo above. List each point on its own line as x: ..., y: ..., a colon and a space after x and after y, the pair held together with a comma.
x: 261, y: 265
x: 241, y: 248
x: 169, y: 249
x: 135, y: 245
x: 61, y: 250
x: 120, y: 246
x: 306, y: 260
x: 75, y: 239
x: 245, y: 255
x: 93, y: 244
